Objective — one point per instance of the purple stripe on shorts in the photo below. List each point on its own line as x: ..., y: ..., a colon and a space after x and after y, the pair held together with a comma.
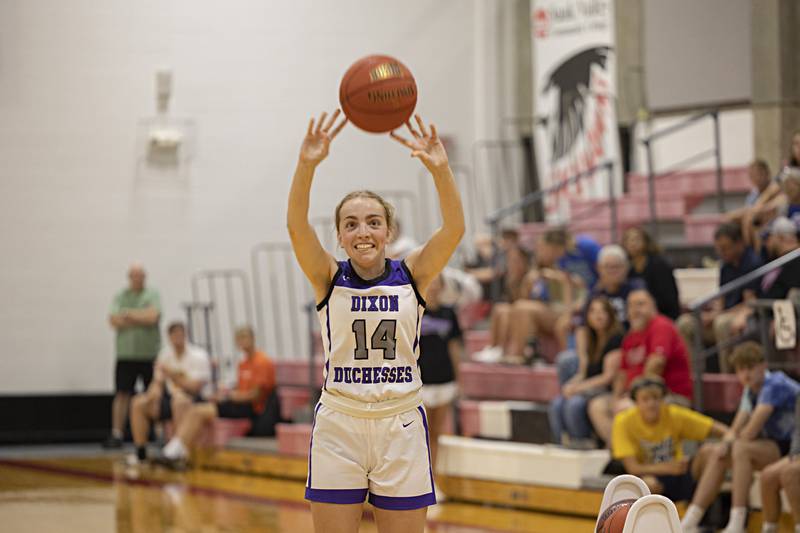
x: 428, y: 443
x: 330, y: 345
x: 393, y: 503
x: 311, y: 442
x: 341, y: 496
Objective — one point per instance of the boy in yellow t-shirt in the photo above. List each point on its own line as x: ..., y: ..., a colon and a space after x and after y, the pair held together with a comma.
x: 648, y: 440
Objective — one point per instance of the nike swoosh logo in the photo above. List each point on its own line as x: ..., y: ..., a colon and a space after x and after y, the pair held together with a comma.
x: 406, y: 425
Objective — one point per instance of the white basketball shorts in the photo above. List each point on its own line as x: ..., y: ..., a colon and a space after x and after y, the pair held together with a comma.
x: 385, y: 458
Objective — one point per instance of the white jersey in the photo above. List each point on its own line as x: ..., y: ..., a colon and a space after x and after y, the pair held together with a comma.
x: 194, y: 362
x: 370, y: 332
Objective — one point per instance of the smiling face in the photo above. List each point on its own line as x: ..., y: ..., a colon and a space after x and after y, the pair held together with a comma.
x: 597, y: 316
x: 363, y: 231
x: 641, y: 309
x: 634, y: 242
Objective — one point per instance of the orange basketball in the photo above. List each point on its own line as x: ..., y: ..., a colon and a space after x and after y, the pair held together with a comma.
x: 613, y: 519
x: 378, y: 94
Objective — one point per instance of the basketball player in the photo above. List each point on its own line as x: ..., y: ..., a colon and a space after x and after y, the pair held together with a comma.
x: 370, y: 432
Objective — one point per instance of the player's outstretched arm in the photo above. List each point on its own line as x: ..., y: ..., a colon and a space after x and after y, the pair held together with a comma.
x: 317, y: 264
x: 429, y: 259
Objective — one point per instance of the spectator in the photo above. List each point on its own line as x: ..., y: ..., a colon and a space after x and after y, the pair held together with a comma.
x: 783, y: 474
x: 775, y: 285
x: 134, y: 315
x: 255, y: 385
x: 648, y: 263
x: 760, y: 200
x: 614, y: 285
x: 575, y: 255
x: 490, y: 263
x: 794, y: 151
x: 440, y: 351
x: 613, y: 281
x: 481, y: 265
x: 548, y: 295
x: 648, y: 440
x: 790, y: 185
x: 653, y: 347
x: 759, y: 436
x: 500, y: 320
x: 182, y: 370
x: 782, y: 239
x: 717, y: 319
x: 570, y: 412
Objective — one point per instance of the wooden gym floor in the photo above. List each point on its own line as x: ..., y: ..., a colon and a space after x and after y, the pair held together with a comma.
x: 99, y: 493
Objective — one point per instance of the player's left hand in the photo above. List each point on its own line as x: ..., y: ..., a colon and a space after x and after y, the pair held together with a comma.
x: 425, y: 145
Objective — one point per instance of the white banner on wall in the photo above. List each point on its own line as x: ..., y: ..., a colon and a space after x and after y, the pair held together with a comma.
x: 575, y: 87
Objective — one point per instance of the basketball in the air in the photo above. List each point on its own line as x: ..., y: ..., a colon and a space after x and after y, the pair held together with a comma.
x: 378, y: 94
x: 613, y: 518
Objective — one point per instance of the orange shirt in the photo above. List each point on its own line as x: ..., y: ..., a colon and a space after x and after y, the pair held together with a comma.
x: 257, y: 371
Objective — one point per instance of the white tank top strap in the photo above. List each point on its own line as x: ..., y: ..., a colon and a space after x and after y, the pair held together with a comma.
x: 380, y: 409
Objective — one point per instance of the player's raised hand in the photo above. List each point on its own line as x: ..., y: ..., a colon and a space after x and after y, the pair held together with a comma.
x: 425, y: 145
x: 319, y: 136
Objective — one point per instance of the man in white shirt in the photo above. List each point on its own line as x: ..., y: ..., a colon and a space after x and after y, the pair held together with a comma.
x: 181, y: 372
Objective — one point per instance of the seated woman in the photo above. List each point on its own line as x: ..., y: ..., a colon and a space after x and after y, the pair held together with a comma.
x: 597, y: 367
x: 652, y: 267
x: 517, y: 263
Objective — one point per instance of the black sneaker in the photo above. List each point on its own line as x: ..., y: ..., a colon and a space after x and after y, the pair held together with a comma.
x: 112, y: 443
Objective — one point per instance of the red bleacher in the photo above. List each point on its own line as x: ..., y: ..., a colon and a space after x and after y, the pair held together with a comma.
x: 508, y: 382
x: 676, y: 198
x: 485, y: 381
x: 293, y: 439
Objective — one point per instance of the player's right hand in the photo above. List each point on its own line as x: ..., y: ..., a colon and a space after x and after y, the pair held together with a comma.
x: 318, y: 138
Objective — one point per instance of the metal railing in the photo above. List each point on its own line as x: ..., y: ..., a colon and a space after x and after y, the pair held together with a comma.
x: 681, y: 165
x: 494, y: 219
x: 277, y: 278
x: 221, y: 294
x: 700, y: 353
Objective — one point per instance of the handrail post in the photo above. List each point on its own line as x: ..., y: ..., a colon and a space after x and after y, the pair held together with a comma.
x: 718, y: 161
x: 495, y: 288
x: 651, y: 189
x: 698, y: 360
x: 612, y: 201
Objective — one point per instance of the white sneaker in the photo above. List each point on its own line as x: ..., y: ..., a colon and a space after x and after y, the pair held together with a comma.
x: 490, y: 354
x: 733, y: 530
x: 132, y: 460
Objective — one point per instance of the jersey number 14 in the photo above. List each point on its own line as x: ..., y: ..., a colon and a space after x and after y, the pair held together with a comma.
x: 383, y: 338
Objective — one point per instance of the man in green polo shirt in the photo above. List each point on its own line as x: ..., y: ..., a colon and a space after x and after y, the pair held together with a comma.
x: 134, y: 315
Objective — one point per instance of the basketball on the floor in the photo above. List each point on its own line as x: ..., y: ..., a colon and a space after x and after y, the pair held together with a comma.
x: 613, y: 519
x: 378, y: 94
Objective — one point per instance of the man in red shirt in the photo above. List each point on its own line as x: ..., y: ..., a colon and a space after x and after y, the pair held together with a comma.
x: 653, y: 347
x: 255, y: 383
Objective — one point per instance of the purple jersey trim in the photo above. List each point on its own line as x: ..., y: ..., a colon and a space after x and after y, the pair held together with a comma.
x: 394, y: 275
x: 341, y: 496
x: 311, y: 443
x: 402, y: 503
x: 330, y: 346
